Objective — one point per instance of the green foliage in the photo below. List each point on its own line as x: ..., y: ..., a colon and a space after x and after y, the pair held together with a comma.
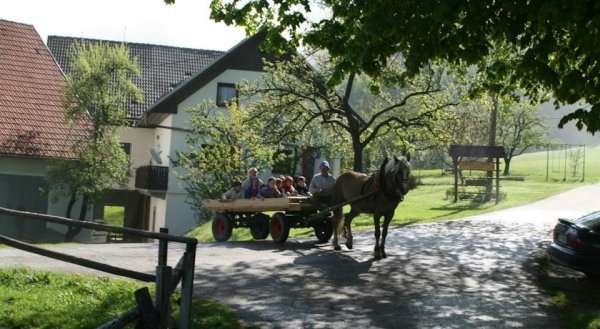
x: 520, y: 128
x: 95, y: 95
x: 114, y: 216
x: 553, y: 45
x: 43, y: 300
x: 428, y: 202
x: 391, y: 111
x: 99, y: 85
x: 222, y: 146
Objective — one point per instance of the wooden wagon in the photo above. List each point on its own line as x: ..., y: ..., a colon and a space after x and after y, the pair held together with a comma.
x: 290, y: 212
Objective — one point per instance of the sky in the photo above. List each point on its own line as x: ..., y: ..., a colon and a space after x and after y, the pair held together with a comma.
x: 184, y: 24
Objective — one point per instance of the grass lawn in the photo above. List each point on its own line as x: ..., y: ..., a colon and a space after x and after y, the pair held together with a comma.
x: 429, y: 202
x: 43, y: 300
x: 114, y: 215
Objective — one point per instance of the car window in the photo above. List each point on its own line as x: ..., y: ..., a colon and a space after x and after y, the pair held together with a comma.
x: 590, y: 220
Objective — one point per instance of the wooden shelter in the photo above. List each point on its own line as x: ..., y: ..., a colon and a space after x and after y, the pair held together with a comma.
x: 491, y: 154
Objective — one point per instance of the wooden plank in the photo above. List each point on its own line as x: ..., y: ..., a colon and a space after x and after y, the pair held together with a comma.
x: 77, y: 261
x: 187, y: 288
x: 96, y: 226
x: 476, y: 165
x: 149, y: 316
x: 257, y: 205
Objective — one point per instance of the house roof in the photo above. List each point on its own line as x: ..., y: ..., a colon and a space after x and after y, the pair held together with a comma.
x: 163, y: 68
x: 31, y: 90
x: 246, y: 55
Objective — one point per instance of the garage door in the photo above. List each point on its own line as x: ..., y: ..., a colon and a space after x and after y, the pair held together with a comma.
x: 22, y: 193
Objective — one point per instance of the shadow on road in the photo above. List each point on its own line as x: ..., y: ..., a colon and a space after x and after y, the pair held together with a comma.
x: 447, y: 275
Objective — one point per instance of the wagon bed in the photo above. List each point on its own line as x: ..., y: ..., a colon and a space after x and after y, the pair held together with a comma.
x: 293, y: 203
x: 289, y: 212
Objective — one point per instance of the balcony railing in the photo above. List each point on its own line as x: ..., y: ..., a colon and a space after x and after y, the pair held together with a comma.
x: 152, y: 178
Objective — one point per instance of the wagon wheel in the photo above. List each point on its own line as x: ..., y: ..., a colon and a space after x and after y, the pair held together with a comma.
x: 280, y: 228
x: 259, y: 228
x: 222, y: 227
x: 324, y: 230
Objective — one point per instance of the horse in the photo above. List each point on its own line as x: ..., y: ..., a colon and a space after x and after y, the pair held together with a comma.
x: 387, y: 188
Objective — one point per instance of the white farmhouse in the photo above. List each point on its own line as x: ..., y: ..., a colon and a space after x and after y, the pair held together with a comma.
x: 173, y: 79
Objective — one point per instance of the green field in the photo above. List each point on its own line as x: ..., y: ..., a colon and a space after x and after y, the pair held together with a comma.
x: 114, y: 215
x: 429, y: 202
x: 43, y: 300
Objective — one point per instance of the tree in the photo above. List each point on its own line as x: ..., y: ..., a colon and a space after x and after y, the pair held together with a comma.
x: 221, y: 148
x: 556, y: 44
x: 519, y: 129
x: 96, y: 91
x: 292, y: 96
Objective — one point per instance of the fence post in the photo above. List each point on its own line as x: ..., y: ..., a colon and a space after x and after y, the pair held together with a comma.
x: 547, y: 162
x: 187, y: 286
x: 583, y: 170
x: 565, y: 169
x: 163, y: 280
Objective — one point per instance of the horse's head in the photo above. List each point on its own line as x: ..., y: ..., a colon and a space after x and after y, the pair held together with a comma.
x: 396, y: 178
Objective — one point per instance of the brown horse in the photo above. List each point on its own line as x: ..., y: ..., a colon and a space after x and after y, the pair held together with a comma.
x: 387, y: 188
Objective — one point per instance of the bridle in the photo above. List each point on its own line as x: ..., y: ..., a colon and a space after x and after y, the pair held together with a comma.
x: 402, y: 182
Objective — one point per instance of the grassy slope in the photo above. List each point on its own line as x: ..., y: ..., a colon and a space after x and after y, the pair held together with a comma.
x: 114, y: 215
x: 428, y: 202
x: 34, y: 299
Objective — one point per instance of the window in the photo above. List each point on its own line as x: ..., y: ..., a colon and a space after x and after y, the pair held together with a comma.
x: 226, y: 93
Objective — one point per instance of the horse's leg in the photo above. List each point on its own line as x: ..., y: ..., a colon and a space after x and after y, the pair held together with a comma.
x: 348, y: 227
x: 377, y: 251
x: 386, y: 222
x: 335, y: 221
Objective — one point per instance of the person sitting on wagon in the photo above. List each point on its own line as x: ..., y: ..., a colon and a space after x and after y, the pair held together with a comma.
x: 279, y: 182
x: 252, y: 184
x: 301, y: 187
x: 287, y: 186
x: 235, y: 192
x: 270, y: 190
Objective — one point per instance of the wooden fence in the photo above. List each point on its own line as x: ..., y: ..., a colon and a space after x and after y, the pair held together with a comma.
x: 149, y: 314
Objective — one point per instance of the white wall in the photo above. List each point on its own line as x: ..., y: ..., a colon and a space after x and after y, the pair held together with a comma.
x: 179, y: 215
x: 141, y: 140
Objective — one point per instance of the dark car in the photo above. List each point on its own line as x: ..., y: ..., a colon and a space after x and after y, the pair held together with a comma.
x: 577, y: 244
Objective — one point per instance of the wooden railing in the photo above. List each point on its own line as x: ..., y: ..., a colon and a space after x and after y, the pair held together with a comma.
x: 148, y: 313
x: 152, y: 178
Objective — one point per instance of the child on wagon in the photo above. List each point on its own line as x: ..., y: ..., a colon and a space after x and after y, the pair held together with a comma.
x: 270, y: 190
x: 287, y: 186
x: 301, y: 187
x: 235, y: 192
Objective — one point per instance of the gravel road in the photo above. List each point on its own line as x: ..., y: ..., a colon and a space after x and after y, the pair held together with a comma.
x: 470, y: 273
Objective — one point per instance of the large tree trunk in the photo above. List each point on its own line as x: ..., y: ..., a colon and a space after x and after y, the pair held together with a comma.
x: 73, y: 231
x: 357, y: 149
x: 70, y: 204
x: 507, y: 166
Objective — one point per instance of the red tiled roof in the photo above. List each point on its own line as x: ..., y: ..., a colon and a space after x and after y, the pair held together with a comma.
x: 31, y: 89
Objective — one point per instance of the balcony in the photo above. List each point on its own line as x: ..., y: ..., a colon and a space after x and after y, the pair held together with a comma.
x: 152, y: 178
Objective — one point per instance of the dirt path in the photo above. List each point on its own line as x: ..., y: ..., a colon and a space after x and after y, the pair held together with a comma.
x: 470, y: 273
